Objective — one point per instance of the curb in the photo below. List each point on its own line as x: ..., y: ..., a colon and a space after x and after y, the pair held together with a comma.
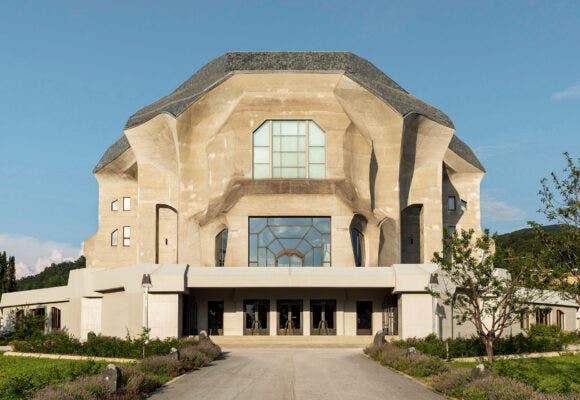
x: 69, y: 357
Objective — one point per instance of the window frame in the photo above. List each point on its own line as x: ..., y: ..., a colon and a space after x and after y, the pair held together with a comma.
x: 115, y: 205
x: 55, y: 314
x: 115, y: 238
x: 126, y: 236
x: 219, y: 241
x: 307, y: 147
x: 450, y: 198
x: 126, y: 203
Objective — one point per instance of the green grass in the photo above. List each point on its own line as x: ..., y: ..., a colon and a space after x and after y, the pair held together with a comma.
x: 21, y: 377
x: 547, y: 374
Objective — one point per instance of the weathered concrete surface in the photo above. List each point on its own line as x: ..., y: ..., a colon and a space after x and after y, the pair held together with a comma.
x: 294, y: 373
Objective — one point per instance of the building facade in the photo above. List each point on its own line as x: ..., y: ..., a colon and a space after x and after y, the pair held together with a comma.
x: 273, y: 193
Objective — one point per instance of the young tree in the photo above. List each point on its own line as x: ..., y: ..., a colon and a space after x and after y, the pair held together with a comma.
x: 559, y: 253
x: 3, y: 271
x: 491, y: 299
x: 11, y: 275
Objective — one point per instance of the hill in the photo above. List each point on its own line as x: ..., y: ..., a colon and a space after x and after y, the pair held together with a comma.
x: 523, y: 240
x: 55, y: 275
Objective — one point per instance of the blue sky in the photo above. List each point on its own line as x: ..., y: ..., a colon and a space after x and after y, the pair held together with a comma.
x: 71, y: 73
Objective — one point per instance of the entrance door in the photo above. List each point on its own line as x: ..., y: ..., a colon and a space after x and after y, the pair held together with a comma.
x: 322, y: 317
x: 364, y: 317
x: 256, y: 317
x: 289, y: 317
x: 215, y: 318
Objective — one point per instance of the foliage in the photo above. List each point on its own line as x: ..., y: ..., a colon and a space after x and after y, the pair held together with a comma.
x: 489, y: 298
x: 61, y: 342
x: 559, y: 253
x: 452, y: 383
x: 20, y: 377
x: 54, y: 275
x: 7, y: 273
x: 160, y: 366
x: 414, y: 364
x: 550, y: 375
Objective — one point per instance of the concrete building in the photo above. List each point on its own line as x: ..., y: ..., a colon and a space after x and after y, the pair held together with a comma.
x: 284, y: 193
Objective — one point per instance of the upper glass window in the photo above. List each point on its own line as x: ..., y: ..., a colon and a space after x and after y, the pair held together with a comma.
x: 289, y: 242
x: 358, y: 247
x: 221, y: 245
x: 289, y: 149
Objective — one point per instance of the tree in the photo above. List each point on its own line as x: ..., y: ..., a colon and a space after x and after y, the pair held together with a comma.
x: 11, y: 275
x: 559, y: 253
x: 3, y: 271
x: 490, y: 298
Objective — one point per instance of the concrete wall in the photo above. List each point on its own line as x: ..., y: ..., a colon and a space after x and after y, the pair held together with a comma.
x: 200, y: 163
x: 415, y: 315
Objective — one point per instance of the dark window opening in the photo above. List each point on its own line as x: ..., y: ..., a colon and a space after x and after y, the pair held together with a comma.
x: 215, y: 318
x: 323, y: 315
x: 221, y: 244
x: 358, y: 247
x: 55, y: 318
x: 256, y: 317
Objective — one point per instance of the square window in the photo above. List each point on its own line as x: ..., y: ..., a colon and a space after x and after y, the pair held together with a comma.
x: 463, y: 205
x: 126, y: 204
x: 451, y: 230
x: 451, y: 205
x: 114, y: 237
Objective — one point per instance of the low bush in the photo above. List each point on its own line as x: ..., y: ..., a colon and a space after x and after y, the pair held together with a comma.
x: 197, y: 358
x: 85, y: 388
x: 160, y: 366
x: 415, y: 364
x: 452, y: 383
x: 539, y: 338
x: 495, y: 387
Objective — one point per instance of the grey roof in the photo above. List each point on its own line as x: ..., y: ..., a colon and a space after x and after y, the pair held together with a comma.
x: 356, y: 68
x: 464, y: 151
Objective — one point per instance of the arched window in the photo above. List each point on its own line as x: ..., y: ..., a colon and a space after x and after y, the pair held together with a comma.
x: 289, y: 149
x: 115, y: 237
x: 358, y: 247
x: 221, y: 245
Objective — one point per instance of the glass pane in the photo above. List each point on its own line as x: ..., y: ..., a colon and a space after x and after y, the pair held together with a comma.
x: 304, y: 247
x: 265, y: 237
x: 289, y: 159
x: 289, y: 127
x: 289, y: 244
x: 302, y: 143
x: 301, y: 159
x: 276, y: 247
x: 322, y: 224
x: 276, y: 128
x: 289, y: 143
x: 289, y: 221
x: 316, y: 155
x: 289, y: 172
x: 253, y: 256
x: 301, y: 172
x: 316, y: 135
x: 261, y: 155
x: 276, y: 143
x: 289, y: 231
x: 257, y: 224
x: 314, y: 238
x: 316, y: 171
x: 262, y: 135
x: 295, y: 261
x: 275, y: 159
x: 283, y: 261
x: 302, y: 128
x: 261, y: 171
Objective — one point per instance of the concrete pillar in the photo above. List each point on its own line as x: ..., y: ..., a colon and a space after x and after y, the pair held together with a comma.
x: 306, y: 317
x: 339, y: 317
x: 415, y: 315
x: 273, y: 320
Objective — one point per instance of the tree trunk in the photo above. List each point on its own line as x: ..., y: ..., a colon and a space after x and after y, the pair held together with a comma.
x: 489, y: 349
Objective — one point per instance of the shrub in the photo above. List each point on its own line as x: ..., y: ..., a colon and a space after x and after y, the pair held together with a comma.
x: 85, y: 388
x: 160, y: 366
x: 416, y: 364
x: 194, y: 356
x: 452, y: 383
x: 210, y: 349
x: 135, y: 381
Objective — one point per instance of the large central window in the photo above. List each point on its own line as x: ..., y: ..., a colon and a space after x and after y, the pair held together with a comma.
x: 289, y: 149
x: 289, y: 242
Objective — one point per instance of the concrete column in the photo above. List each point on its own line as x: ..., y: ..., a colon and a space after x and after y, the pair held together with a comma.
x: 415, y: 315
x: 306, y: 317
x: 377, y: 318
x: 339, y: 317
x: 273, y: 320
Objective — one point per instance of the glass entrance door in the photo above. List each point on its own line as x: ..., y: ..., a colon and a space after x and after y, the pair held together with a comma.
x: 289, y: 317
x: 256, y: 317
x: 322, y: 317
x: 215, y: 318
x: 364, y: 317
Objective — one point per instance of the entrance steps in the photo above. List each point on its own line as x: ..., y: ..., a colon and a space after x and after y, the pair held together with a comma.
x: 293, y: 341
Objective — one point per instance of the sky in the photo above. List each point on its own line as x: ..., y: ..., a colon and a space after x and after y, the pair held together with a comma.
x: 71, y: 74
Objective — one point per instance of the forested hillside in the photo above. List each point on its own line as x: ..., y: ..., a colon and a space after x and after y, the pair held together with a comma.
x: 55, y: 275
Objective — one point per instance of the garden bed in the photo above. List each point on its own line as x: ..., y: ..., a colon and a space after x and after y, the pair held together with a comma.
x: 521, y: 379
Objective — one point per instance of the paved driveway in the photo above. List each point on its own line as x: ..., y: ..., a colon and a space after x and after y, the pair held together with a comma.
x: 294, y: 373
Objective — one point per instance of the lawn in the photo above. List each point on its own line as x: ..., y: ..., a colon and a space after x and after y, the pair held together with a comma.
x: 547, y: 374
x: 21, y: 377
